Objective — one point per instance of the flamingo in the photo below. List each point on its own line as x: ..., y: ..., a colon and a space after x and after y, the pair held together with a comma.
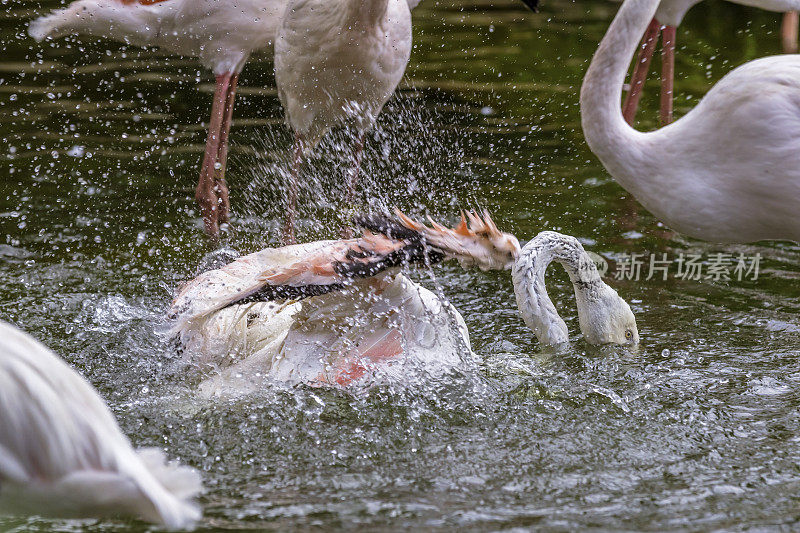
x: 335, y: 62
x: 62, y: 454
x: 668, y: 17
x: 221, y: 34
x: 340, y: 313
x: 729, y: 170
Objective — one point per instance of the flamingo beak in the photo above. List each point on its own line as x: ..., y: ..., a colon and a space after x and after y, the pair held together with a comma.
x: 533, y: 5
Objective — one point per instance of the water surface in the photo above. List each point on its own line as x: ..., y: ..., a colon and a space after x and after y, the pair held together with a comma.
x: 698, y: 429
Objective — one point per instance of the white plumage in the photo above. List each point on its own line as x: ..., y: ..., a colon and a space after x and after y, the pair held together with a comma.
x: 338, y: 61
x: 221, y: 34
x: 372, y: 323
x: 341, y: 59
x: 379, y: 328
x: 728, y: 171
x: 62, y: 453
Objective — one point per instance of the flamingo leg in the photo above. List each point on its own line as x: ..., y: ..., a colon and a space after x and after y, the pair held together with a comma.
x: 207, y: 190
x: 352, y: 179
x: 668, y: 35
x: 789, y: 31
x: 640, y: 70
x: 288, y: 236
x: 222, y: 153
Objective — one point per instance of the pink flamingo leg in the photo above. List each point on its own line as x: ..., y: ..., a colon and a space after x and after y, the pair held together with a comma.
x: 291, y: 201
x: 350, y: 194
x: 640, y: 70
x: 222, y: 154
x: 789, y: 30
x: 206, y: 193
x: 668, y: 35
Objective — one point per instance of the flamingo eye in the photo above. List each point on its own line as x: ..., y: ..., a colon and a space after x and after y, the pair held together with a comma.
x: 628, y: 334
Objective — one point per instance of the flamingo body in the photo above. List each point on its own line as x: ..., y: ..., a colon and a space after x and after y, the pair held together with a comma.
x: 222, y: 35
x: 378, y: 328
x: 339, y: 60
x: 729, y: 170
x: 362, y: 322
x: 63, y: 454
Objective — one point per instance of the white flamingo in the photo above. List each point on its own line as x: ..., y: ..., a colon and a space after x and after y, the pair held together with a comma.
x: 668, y: 17
x: 339, y: 61
x: 359, y: 318
x: 728, y: 171
x: 221, y: 34
x: 62, y: 454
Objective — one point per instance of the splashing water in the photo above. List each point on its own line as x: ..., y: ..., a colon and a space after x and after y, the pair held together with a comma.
x: 97, y: 227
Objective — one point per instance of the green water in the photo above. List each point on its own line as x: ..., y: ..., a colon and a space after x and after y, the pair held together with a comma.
x: 698, y: 429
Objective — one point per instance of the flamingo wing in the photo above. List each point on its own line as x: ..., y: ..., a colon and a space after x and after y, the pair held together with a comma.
x: 303, y: 271
x: 326, y: 268
x: 478, y: 243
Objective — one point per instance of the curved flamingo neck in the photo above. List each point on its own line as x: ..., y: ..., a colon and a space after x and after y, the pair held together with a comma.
x: 535, y: 306
x: 616, y: 144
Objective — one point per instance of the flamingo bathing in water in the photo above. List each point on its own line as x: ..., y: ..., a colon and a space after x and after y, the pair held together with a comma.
x: 340, y: 313
x: 221, y: 34
x: 728, y: 171
x: 668, y: 17
x: 62, y: 454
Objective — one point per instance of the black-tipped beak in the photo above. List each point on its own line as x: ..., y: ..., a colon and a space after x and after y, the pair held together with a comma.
x: 533, y: 5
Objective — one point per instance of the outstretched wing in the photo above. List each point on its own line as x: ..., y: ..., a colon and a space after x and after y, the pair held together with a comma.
x: 302, y: 271
x: 480, y: 243
x: 322, y: 269
x: 334, y: 268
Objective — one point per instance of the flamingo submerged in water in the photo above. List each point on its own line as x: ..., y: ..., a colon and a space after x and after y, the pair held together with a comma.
x: 340, y: 312
x: 63, y: 455
x: 667, y: 18
x: 729, y: 170
x: 221, y: 34
x: 336, y: 62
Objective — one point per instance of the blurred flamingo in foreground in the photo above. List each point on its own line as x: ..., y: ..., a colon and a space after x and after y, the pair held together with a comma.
x: 221, y: 34
x: 340, y: 313
x: 62, y: 454
x: 668, y: 17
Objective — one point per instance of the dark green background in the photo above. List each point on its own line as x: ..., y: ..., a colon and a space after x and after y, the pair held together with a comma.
x: 698, y: 429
